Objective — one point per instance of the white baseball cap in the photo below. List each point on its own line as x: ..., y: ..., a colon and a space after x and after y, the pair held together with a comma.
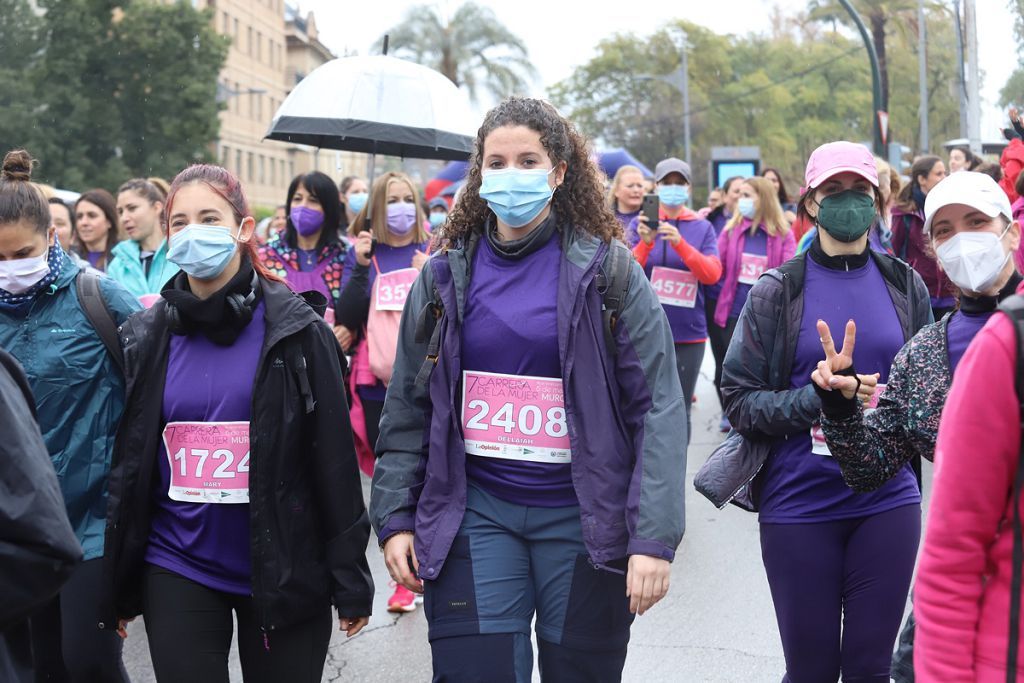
x: 976, y: 190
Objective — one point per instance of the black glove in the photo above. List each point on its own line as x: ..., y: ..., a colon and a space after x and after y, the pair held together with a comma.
x: 833, y: 403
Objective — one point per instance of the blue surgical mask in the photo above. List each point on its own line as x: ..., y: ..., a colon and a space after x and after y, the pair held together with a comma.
x: 202, y: 251
x: 436, y: 219
x: 357, y: 200
x: 516, y: 196
x: 746, y: 207
x: 674, y: 195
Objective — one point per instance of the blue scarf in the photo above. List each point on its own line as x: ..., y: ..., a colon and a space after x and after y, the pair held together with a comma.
x: 19, y: 304
x: 918, y: 196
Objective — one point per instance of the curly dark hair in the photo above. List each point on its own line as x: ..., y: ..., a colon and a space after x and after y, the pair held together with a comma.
x: 578, y: 201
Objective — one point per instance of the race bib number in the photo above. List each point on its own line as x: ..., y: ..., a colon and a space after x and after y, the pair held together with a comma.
x: 818, y: 443
x: 329, y: 315
x: 751, y: 268
x: 674, y: 287
x: 209, y: 461
x: 393, y: 289
x: 515, y: 417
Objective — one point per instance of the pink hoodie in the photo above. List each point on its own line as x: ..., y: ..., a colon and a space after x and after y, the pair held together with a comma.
x: 962, y: 595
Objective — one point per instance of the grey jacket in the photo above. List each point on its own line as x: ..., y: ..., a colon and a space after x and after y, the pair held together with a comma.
x: 625, y: 414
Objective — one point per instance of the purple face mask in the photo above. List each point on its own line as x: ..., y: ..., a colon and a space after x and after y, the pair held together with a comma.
x: 307, y: 221
x: 401, y: 218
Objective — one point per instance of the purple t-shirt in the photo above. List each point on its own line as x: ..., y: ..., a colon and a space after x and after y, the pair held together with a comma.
x: 94, y: 258
x: 798, y: 485
x: 626, y: 218
x: 207, y: 543
x: 510, y: 327
x: 688, y: 324
x: 388, y: 259
x: 960, y: 331
x: 755, y: 245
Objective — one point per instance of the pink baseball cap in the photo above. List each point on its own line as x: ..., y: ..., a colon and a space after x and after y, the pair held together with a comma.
x: 840, y: 157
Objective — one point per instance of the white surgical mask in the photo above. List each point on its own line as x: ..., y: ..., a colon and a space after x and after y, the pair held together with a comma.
x: 973, y: 260
x: 18, y: 275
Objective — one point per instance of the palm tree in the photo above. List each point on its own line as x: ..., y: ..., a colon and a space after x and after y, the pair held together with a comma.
x: 879, y: 15
x: 471, y: 47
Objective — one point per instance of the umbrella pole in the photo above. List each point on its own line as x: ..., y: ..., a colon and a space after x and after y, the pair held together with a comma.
x: 372, y: 171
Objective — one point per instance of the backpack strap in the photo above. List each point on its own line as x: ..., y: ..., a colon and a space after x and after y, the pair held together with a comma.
x: 98, y: 313
x: 428, y: 329
x: 1014, y: 308
x: 613, y: 285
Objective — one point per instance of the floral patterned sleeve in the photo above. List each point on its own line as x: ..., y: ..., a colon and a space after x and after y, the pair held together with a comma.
x: 871, y: 446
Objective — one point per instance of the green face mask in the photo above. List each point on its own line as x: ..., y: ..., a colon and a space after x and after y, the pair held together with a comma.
x: 846, y: 215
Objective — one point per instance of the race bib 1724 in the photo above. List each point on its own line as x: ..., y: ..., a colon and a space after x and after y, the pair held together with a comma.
x: 209, y: 461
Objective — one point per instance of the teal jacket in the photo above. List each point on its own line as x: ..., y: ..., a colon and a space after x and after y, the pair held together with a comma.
x: 79, y: 393
x: 126, y: 268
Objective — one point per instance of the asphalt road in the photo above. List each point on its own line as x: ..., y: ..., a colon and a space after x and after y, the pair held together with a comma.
x: 716, y: 625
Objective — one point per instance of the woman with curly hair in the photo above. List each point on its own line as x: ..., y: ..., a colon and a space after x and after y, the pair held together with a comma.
x: 531, y: 453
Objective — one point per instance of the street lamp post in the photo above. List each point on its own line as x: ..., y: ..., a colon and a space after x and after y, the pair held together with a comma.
x: 680, y: 80
x: 876, y: 75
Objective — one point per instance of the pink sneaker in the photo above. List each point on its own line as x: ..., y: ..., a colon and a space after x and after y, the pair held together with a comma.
x: 403, y: 600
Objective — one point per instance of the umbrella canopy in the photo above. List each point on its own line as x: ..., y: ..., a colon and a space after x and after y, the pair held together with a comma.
x: 379, y: 105
x: 611, y: 160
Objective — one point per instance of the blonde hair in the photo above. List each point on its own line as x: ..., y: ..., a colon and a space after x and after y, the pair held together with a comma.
x: 378, y: 203
x: 768, y: 215
x: 610, y: 200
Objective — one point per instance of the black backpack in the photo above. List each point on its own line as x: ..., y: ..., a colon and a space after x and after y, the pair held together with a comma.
x: 1014, y: 308
x: 98, y: 313
x: 612, y: 282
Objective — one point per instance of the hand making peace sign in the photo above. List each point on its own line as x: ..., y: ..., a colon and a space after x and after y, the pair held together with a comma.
x: 863, y: 386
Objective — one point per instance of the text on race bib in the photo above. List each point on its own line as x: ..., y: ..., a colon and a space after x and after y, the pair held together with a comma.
x: 209, y: 461
x: 819, y: 446
x: 752, y: 267
x: 515, y: 417
x: 675, y: 287
x: 392, y: 289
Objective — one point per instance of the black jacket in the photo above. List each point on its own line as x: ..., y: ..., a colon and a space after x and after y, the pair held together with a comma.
x: 308, y: 523
x: 38, y: 549
x: 759, y: 363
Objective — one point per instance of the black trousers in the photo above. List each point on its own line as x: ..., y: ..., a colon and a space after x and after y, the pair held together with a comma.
x: 372, y: 410
x: 719, y: 338
x: 67, y: 645
x: 190, y: 629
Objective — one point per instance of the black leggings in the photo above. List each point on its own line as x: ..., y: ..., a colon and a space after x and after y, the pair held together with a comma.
x: 67, y: 645
x: 688, y: 360
x: 372, y: 410
x: 189, y: 629
x: 720, y: 338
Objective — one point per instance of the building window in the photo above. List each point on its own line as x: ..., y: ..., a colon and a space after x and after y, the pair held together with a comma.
x: 251, y: 174
x: 249, y: 42
x: 225, y: 155
x: 257, y: 104
x: 259, y: 46
x: 238, y: 163
x: 226, y: 28
x: 273, y: 173
x: 263, y: 170
x: 236, y: 33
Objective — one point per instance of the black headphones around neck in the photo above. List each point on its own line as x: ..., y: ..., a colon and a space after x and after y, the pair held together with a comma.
x: 239, y: 310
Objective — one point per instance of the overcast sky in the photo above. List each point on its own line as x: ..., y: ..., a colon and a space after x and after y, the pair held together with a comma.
x: 562, y: 34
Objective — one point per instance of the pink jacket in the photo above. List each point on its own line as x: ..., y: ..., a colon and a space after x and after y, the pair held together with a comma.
x: 962, y: 596
x: 730, y: 251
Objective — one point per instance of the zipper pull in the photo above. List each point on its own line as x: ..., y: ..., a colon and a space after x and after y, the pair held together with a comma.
x: 266, y: 642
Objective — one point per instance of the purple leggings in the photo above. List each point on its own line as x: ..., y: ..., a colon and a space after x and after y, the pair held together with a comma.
x: 839, y: 590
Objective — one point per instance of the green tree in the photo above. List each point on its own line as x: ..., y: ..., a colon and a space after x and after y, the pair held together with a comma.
x: 1012, y: 94
x: 471, y: 47
x: 880, y: 16
x: 20, y: 35
x: 168, y: 115
x: 101, y: 90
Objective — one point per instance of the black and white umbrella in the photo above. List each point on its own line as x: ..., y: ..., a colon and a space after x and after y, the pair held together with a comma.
x: 378, y: 105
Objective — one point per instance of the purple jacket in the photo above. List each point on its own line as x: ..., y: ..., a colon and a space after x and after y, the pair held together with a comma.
x: 625, y: 414
x: 730, y: 250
